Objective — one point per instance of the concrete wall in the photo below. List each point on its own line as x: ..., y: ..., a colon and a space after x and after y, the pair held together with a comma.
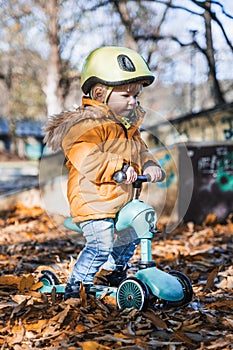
x: 209, y: 126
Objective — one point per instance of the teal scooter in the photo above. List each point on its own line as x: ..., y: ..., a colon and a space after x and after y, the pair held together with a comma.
x: 150, y: 285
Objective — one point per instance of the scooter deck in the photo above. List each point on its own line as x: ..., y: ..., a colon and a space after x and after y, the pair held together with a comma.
x: 98, y: 290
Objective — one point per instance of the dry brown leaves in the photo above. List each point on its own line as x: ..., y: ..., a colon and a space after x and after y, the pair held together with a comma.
x: 30, y: 241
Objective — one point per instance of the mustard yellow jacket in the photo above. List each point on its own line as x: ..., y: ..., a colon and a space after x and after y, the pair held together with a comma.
x: 96, y: 145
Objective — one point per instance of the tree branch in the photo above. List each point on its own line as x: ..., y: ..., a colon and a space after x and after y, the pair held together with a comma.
x: 214, y: 17
x: 211, y: 2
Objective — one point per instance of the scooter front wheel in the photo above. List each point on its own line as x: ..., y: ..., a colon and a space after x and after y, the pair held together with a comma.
x: 48, y: 278
x: 132, y: 293
x: 187, y: 289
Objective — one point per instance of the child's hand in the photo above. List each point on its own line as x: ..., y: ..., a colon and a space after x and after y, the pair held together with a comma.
x: 156, y: 173
x: 131, y: 175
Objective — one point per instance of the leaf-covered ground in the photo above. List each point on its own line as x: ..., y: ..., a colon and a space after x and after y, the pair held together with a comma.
x: 31, y: 241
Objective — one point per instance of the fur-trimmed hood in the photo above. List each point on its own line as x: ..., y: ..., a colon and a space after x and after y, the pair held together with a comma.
x: 58, y: 125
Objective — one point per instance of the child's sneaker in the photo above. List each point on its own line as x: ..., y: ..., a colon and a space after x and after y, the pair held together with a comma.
x: 73, y: 290
x: 112, y: 278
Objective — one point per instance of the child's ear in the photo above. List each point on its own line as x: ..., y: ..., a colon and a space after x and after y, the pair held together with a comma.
x: 99, y: 93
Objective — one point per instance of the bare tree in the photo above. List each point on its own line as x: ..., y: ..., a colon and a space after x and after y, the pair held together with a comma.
x: 39, y: 60
x: 52, y: 87
x: 121, y: 7
x: 155, y: 35
x: 208, y: 52
x: 68, y: 30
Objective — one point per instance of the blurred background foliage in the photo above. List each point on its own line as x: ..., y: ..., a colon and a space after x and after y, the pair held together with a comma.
x: 187, y: 43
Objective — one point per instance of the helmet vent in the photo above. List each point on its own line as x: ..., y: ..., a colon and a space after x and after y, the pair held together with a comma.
x: 125, y: 63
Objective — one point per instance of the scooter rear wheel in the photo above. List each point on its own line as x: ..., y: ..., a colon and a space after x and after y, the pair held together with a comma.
x: 187, y: 289
x: 48, y: 278
x: 132, y: 293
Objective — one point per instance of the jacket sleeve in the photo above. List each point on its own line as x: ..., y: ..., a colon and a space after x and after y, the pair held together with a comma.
x: 85, y: 151
x: 146, y: 156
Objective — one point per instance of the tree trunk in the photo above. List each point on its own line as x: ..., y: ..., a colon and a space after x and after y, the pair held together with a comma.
x: 53, y: 94
x: 215, y: 89
x: 123, y: 11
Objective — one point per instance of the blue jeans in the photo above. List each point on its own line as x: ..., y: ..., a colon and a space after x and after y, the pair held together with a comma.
x: 101, y: 247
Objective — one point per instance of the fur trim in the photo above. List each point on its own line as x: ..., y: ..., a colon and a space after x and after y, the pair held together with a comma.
x: 58, y: 125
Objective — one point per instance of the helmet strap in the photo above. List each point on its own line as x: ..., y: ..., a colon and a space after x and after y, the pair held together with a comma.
x: 102, y: 93
x: 108, y: 93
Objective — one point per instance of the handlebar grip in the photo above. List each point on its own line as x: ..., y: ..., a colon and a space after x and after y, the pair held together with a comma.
x: 119, y: 177
x: 144, y: 178
x: 140, y: 180
x: 163, y: 175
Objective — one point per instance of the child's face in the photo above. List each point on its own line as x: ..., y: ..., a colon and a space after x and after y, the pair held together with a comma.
x: 123, y: 99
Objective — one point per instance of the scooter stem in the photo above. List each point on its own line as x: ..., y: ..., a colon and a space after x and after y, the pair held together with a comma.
x: 146, y: 250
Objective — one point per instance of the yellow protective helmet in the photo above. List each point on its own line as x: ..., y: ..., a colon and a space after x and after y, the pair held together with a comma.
x: 114, y: 66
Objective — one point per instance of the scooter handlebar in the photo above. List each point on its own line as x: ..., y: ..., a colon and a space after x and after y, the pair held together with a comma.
x: 120, y: 177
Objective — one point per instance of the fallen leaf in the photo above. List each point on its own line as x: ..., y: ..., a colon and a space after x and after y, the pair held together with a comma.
x: 26, y: 282
x: 156, y: 320
x: 92, y: 345
x: 83, y: 295
x: 182, y: 337
x: 211, y: 278
x: 36, y: 326
x: 226, y: 283
x: 60, y: 317
x: 17, y: 336
x: 80, y: 328
x: 228, y: 322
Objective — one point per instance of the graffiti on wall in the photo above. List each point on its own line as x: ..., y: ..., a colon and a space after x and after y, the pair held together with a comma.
x: 213, y: 177
x: 229, y: 131
x: 220, y: 166
x: 170, y: 178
